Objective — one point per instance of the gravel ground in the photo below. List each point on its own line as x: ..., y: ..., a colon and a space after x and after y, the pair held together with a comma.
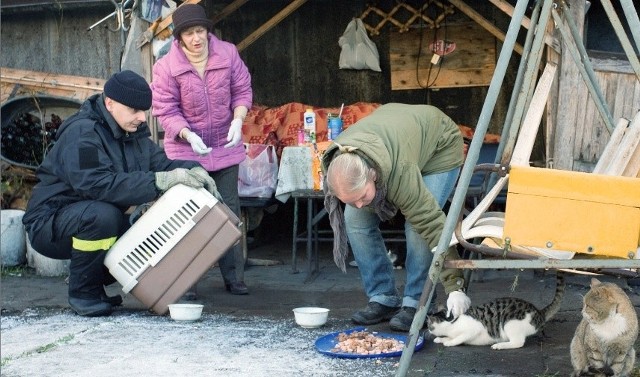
x: 255, y: 335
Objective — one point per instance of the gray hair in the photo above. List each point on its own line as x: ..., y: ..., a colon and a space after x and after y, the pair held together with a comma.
x: 348, y: 172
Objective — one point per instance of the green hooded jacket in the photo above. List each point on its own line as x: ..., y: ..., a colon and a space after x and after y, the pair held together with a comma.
x: 406, y: 142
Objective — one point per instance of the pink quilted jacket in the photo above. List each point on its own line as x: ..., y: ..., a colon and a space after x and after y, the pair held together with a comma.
x: 182, y: 99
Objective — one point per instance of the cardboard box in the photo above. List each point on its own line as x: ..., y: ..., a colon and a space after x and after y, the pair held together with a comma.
x: 172, y: 245
x: 573, y: 211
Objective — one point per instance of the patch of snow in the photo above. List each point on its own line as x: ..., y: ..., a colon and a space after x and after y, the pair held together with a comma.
x: 140, y: 344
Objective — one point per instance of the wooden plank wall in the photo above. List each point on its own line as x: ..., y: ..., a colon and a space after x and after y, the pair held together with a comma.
x: 579, y: 135
x: 472, y: 63
x: 621, y: 90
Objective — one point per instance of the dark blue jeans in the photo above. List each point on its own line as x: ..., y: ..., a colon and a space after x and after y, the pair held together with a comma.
x: 370, y: 251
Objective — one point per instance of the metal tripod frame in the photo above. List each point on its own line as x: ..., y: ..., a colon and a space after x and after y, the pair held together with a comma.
x: 520, y: 101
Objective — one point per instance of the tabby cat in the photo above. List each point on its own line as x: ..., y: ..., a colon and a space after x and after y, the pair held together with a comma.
x: 504, y: 323
x: 603, y: 342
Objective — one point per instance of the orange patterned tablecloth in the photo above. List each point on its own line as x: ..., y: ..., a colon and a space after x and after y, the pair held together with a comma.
x: 280, y: 125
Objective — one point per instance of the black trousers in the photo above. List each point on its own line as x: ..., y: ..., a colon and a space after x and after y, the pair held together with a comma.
x: 82, y: 232
x: 232, y: 262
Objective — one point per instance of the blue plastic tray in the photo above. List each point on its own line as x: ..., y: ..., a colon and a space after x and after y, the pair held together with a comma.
x: 326, y: 343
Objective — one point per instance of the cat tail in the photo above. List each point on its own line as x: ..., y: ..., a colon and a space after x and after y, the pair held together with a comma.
x: 550, y: 310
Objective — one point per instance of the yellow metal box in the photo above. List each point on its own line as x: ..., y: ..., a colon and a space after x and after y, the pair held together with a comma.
x: 574, y: 211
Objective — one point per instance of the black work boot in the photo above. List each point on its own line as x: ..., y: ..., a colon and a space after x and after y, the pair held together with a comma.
x: 90, y: 307
x: 402, y: 321
x: 228, y: 267
x: 237, y: 288
x: 86, y: 289
x: 108, y: 279
x: 373, y: 313
x: 192, y: 293
x: 113, y: 300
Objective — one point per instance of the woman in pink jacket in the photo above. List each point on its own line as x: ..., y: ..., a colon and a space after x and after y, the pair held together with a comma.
x: 201, y: 95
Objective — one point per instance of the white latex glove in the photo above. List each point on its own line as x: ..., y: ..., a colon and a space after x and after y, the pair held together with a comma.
x: 457, y: 303
x: 197, y: 144
x: 235, y: 133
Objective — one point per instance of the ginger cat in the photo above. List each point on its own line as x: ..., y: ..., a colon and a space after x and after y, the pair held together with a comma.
x: 603, y: 342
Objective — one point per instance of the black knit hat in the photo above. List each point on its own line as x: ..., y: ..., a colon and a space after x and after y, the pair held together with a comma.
x: 130, y: 89
x: 188, y: 15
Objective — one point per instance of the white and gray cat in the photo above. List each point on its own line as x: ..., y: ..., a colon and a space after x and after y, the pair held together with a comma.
x: 503, y: 323
x: 603, y: 342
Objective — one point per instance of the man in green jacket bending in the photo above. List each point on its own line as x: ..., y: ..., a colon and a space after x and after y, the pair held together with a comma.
x: 400, y: 157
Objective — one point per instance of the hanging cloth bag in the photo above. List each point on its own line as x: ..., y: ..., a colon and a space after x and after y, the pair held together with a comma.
x: 358, y: 51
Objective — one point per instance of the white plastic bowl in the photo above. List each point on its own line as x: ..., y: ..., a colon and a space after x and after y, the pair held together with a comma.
x: 311, y: 317
x: 185, y: 312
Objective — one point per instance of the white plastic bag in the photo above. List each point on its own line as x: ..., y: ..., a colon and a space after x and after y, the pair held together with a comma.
x: 258, y: 173
x: 358, y: 51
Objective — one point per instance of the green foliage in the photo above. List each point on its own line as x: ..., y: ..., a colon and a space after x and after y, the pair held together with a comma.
x: 11, y: 186
x: 42, y: 349
x: 13, y: 271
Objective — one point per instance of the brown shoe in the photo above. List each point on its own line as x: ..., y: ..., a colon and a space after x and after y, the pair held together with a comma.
x: 237, y: 288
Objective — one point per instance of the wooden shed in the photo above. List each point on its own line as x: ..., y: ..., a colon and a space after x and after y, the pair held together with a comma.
x: 291, y: 48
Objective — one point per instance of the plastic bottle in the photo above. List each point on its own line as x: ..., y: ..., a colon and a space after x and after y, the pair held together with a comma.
x: 334, y: 127
x: 309, y: 126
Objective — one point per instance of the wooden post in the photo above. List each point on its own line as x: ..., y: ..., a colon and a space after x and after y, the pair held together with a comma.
x: 22, y: 82
x: 491, y: 28
x: 571, y: 99
x: 228, y: 10
x: 295, y: 4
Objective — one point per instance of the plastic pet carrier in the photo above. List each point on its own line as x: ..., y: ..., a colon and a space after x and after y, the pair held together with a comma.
x: 176, y: 241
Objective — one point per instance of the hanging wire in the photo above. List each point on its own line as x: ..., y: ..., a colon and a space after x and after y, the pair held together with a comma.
x: 435, y: 38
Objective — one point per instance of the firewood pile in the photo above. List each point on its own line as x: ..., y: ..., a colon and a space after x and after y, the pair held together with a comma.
x: 25, y: 139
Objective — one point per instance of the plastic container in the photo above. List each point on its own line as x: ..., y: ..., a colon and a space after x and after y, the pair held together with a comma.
x: 311, y: 317
x: 156, y: 233
x: 46, y: 266
x: 172, y: 245
x: 334, y: 127
x: 13, y: 243
x: 185, y: 312
x: 309, y: 126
